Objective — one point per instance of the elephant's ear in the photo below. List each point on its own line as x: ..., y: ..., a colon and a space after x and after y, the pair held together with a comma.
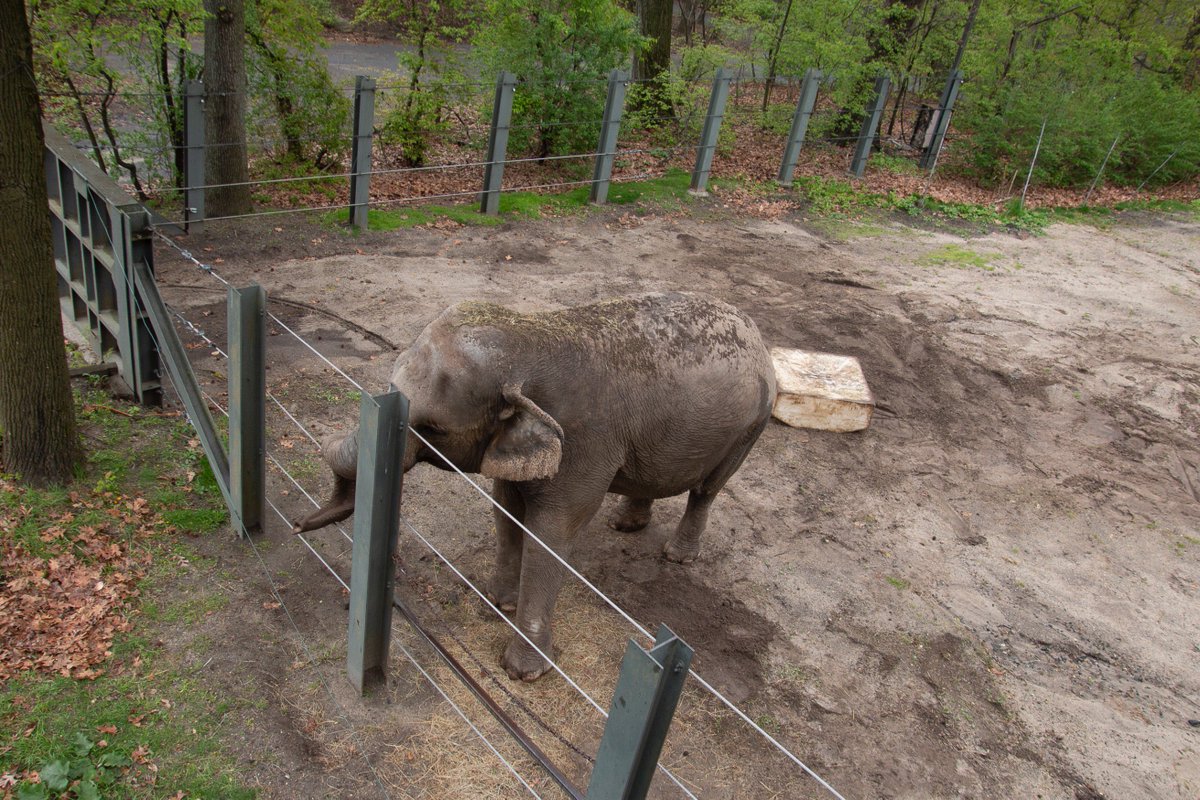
x: 528, y: 445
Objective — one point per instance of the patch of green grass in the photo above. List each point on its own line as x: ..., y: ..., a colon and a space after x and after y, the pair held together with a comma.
x: 896, y: 164
x: 334, y: 395
x: 768, y: 723
x: 196, y: 520
x: 144, y: 728
x: 898, y: 583
x: 191, y: 610
x: 830, y: 197
x: 155, y: 729
x: 666, y: 193
x: 1187, y: 207
x: 840, y: 229
x: 953, y: 255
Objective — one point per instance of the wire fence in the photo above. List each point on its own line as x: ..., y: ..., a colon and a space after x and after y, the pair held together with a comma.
x: 418, y: 154
x: 428, y: 543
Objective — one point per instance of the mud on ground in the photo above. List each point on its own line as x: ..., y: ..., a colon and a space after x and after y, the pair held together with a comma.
x: 994, y: 591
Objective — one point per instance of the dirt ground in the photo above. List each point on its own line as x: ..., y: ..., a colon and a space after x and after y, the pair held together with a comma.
x: 994, y: 591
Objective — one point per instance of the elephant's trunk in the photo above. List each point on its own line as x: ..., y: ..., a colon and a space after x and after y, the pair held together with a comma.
x: 341, y: 454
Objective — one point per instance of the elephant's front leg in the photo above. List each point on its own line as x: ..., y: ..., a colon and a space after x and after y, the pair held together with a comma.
x: 541, y: 578
x: 506, y: 579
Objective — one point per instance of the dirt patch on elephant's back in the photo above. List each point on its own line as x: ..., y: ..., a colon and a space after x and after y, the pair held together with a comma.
x: 993, y: 591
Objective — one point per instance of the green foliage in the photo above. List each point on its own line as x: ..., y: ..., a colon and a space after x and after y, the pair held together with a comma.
x: 1094, y: 74
x: 292, y: 95
x: 76, y: 45
x: 84, y: 774
x: 685, y: 92
x: 561, y: 52
x: 417, y: 115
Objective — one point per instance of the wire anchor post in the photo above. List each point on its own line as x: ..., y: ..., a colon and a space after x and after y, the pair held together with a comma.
x: 941, y: 122
x: 870, y: 124
x: 194, y: 152
x: 609, y: 131
x: 382, y: 432
x: 711, y: 131
x: 360, y: 153
x: 804, y: 110
x: 493, y: 171
x: 247, y: 407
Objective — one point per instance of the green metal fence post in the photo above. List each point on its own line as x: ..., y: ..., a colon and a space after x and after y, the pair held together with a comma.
x: 804, y: 110
x: 247, y: 406
x: 711, y: 130
x: 383, y: 421
x: 609, y: 130
x: 942, y: 123
x: 193, y: 140
x: 493, y: 172
x: 360, y: 154
x: 643, y: 704
x: 866, y: 136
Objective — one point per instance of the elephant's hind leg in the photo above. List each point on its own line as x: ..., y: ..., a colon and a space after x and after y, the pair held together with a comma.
x: 633, y: 514
x: 506, y: 579
x: 684, y: 546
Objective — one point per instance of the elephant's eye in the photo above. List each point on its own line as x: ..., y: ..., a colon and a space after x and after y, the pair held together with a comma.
x: 429, y: 429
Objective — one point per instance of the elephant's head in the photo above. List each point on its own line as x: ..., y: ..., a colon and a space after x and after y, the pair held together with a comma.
x: 465, y: 406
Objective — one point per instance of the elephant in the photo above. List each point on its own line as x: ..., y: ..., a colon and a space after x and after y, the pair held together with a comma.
x: 645, y: 396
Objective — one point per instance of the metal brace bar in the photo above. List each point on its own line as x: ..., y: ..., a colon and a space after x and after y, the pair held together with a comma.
x: 643, y: 704
x: 180, y: 370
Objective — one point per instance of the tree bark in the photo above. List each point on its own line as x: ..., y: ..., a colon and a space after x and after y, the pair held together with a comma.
x: 37, y: 415
x: 653, y: 64
x: 655, y: 25
x: 1188, y: 62
x: 225, y: 108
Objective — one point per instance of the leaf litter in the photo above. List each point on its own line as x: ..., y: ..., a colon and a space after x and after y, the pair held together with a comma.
x: 61, y: 608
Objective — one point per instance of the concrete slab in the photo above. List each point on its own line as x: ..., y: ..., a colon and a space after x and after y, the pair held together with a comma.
x: 822, y: 391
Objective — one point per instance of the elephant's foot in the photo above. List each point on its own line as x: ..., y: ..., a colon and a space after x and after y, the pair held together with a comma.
x: 632, y: 515
x: 503, y: 595
x: 680, y: 552
x: 523, y: 663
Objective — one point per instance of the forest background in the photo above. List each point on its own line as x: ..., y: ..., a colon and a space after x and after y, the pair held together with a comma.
x: 1099, y: 82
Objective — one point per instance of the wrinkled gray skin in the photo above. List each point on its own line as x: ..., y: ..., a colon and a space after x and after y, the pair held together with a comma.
x: 646, y: 396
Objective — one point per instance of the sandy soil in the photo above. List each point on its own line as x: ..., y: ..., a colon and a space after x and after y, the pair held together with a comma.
x: 994, y: 591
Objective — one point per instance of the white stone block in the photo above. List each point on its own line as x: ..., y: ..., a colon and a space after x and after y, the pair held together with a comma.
x: 821, y: 391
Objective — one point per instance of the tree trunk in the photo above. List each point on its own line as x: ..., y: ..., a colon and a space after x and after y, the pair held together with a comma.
x: 37, y: 416
x: 655, y: 25
x: 654, y: 64
x: 225, y: 108
x: 966, y: 36
x: 1188, y: 61
x: 773, y: 57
